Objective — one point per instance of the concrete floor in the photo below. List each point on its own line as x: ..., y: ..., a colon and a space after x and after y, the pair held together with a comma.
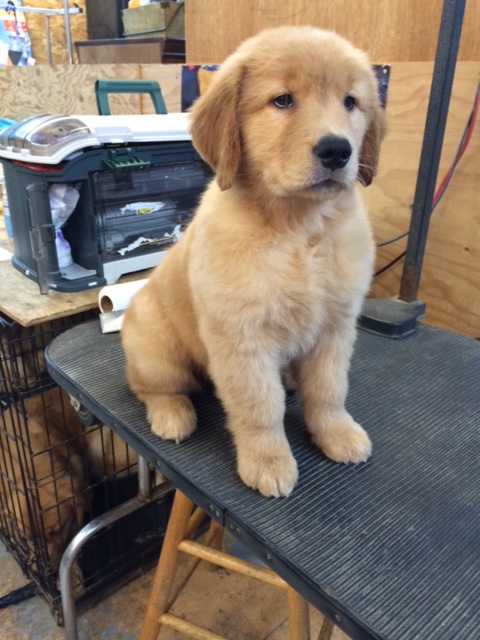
x: 226, y: 603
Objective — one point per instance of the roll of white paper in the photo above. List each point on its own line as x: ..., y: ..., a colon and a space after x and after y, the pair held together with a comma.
x: 116, y: 297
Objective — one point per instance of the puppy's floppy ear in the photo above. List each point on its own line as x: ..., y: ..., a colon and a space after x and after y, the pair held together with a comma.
x: 370, y: 150
x: 215, y: 126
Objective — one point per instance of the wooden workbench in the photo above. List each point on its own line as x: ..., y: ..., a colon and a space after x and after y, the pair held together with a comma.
x: 21, y: 300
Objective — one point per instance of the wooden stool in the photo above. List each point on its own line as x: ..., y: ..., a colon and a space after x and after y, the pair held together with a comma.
x: 181, y: 526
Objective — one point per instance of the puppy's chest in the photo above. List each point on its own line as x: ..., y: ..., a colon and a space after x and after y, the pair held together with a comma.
x: 322, y: 269
x: 320, y: 282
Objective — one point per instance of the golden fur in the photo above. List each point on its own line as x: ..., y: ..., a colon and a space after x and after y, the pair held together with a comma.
x: 272, y: 271
x: 43, y: 483
x: 43, y: 477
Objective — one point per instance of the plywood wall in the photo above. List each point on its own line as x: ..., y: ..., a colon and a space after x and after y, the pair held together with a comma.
x: 390, y: 30
x: 37, y: 31
x: 69, y: 89
x: 450, y: 282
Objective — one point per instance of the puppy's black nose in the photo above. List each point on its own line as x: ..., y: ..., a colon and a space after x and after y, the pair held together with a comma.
x: 334, y: 152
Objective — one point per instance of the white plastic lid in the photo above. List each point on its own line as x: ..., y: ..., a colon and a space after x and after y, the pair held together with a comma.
x: 52, y: 139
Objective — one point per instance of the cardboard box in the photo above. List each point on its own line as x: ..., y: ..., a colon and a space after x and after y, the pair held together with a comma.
x: 165, y: 19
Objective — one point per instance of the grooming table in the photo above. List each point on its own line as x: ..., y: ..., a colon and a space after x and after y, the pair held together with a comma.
x: 387, y: 550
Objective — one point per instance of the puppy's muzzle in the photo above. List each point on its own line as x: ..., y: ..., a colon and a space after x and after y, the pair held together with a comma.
x: 334, y: 152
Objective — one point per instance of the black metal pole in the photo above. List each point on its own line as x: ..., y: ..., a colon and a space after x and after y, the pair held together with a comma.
x: 442, y: 80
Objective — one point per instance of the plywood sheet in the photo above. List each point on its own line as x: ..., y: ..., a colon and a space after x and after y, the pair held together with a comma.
x: 62, y: 89
x: 450, y: 283
x: 37, y: 30
x: 168, y: 77
x: 404, y: 30
x: 69, y: 89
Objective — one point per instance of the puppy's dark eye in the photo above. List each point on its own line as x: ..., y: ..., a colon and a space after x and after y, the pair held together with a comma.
x: 284, y: 101
x: 350, y: 103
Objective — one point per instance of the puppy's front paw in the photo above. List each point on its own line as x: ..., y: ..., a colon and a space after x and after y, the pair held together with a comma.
x: 344, y: 441
x: 172, y: 417
x: 273, y: 474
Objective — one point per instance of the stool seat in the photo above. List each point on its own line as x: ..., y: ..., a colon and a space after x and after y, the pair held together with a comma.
x: 388, y: 549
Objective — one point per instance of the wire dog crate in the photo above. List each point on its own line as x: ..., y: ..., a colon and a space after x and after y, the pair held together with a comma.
x: 56, y: 474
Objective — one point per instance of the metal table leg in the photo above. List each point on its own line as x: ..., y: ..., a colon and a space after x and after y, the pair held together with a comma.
x: 145, y: 494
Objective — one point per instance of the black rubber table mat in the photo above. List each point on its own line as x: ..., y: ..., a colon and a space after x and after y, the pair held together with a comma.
x: 387, y: 549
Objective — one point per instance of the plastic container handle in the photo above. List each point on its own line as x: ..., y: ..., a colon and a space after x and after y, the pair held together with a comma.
x: 104, y: 87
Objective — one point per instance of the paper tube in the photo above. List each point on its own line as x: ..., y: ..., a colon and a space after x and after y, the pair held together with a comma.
x: 116, y: 297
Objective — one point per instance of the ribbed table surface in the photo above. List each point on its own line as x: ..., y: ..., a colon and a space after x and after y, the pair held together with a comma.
x: 388, y: 549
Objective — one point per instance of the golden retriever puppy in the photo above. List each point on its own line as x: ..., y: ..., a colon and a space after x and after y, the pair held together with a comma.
x: 272, y: 271
x: 108, y: 455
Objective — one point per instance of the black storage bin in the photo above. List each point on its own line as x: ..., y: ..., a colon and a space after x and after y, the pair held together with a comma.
x: 134, y: 197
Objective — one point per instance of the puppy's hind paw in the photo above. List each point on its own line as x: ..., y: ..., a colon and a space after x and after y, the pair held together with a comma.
x: 172, y: 417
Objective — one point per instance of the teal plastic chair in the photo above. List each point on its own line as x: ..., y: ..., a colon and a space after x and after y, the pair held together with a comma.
x: 104, y: 87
